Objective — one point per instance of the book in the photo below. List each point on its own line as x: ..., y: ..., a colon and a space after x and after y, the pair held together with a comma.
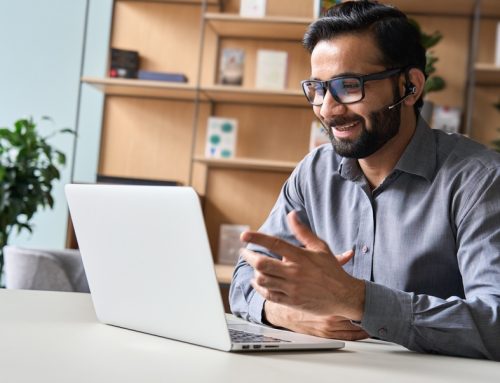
x: 252, y: 8
x: 221, y: 137
x: 318, y: 135
x: 446, y: 118
x: 231, y: 66
x: 161, y: 76
x: 497, y: 46
x: 229, y: 243
x: 271, y: 69
x: 321, y: 6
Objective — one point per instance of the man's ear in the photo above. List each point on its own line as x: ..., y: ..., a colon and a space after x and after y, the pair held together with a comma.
x: 416, y: 86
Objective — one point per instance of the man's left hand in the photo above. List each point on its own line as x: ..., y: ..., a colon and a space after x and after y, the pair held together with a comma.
x: 307, y: 278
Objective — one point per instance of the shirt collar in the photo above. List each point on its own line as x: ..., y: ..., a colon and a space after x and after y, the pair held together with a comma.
x: 349, y: 169
x: 419, y: 157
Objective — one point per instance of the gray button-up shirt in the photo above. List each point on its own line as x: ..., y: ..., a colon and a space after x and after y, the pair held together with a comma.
x: 427, y: 241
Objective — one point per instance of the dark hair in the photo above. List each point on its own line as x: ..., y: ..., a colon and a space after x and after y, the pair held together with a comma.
x: 396, y: 37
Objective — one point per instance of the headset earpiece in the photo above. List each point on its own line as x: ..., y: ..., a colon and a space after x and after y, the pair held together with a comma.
x: 410, y: 89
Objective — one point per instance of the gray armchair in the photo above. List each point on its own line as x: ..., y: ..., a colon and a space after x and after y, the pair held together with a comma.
x: 34, y: 269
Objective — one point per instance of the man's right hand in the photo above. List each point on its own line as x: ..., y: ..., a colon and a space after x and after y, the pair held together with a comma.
x: 323, y: 326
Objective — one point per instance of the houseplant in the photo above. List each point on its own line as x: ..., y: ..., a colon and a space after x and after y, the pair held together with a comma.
x: 28, y: 168
x: 433, y: 83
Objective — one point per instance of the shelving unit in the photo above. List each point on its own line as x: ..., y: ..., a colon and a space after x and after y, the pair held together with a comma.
x: 157, y: 130
x: 487, y: 74
x: 225, y: 93
x: 143, y: 88
x: 248, y: 164
x: 272, y: 28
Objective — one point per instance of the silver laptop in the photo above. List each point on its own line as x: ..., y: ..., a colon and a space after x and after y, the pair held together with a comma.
x: 149, y: 266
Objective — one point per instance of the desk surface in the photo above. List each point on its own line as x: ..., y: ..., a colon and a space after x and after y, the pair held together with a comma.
x: 55, y: 337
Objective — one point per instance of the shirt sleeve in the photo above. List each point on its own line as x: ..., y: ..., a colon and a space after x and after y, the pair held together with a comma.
x: 454, y: 326
x: 245, y: 302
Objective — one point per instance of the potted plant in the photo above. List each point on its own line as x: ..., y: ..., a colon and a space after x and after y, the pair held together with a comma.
x: 28, y: 168
x: 434, y: 83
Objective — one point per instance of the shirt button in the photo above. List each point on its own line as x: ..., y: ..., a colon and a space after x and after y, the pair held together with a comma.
x: 364, y: 249
x: 382, y: 332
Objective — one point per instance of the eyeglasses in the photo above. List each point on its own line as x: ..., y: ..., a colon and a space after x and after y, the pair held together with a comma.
x: 344, y: 89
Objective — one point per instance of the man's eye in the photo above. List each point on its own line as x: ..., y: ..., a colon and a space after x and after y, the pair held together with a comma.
x: 318, y: 88
x: 350, y: 85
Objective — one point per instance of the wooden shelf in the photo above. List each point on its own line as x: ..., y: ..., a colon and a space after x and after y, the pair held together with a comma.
x: 224, y: 273
x: 229, y: 93
x: 490, y: 8
x: 142, y: 88
x: 248, y: 164
x: 275, y: 28
x: 487, y: 74
x: 436, y: 8
x: 210, y: 2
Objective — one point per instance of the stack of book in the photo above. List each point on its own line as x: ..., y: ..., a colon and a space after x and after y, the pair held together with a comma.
x: 161, y: 76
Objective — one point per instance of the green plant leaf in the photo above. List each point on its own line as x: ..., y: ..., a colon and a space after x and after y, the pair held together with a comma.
x: 433, y: 82
x: 28, y: 168
x: 67, y: 130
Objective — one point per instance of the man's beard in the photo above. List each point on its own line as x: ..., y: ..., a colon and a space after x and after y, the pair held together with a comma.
x: 385, y: 124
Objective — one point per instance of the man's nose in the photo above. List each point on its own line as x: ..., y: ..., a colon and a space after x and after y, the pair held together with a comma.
x: 331, y: 107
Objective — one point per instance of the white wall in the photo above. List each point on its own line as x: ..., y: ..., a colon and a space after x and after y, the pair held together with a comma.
x: 43, y: 45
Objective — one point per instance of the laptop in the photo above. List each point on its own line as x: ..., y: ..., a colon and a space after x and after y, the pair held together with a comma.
x: 149, y: 266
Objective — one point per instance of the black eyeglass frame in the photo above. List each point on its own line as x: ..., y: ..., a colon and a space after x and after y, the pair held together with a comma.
x: 362, y: 79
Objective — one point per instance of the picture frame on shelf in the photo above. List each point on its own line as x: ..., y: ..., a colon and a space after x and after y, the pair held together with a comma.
x: 232, y: 62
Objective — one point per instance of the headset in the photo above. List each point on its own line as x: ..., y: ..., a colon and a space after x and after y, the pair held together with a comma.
x: 410, y: 90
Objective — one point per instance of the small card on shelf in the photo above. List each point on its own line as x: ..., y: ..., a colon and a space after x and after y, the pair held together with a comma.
x: 497, y: 46
x: 230, y: 243
x: 221, y: 137
x: 271, y: 69
x: 231, y: 66
x: 446, y: 118
x: 252, y: 8
x: 318, y: 135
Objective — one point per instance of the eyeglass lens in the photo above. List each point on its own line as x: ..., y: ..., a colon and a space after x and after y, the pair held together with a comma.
x: 345, y: 90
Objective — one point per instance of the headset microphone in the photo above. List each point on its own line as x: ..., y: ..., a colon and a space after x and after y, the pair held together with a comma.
x: 410, y: 90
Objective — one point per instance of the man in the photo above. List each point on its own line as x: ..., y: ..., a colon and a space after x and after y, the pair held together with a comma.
x: 412, y: 214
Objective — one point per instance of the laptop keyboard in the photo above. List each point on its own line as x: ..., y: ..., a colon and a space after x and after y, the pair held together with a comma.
x: 238, y: 336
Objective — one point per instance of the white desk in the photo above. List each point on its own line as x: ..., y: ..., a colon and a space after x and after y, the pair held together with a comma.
x: 55, y: 337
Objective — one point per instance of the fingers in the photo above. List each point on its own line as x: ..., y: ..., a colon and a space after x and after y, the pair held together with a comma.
x: 349, y: 335
x: 274, y: 296
x: 345, y: 257
x: 273, y: 244
x: 304, y: 235
x: 283, y: 248
x: 264, y: 264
